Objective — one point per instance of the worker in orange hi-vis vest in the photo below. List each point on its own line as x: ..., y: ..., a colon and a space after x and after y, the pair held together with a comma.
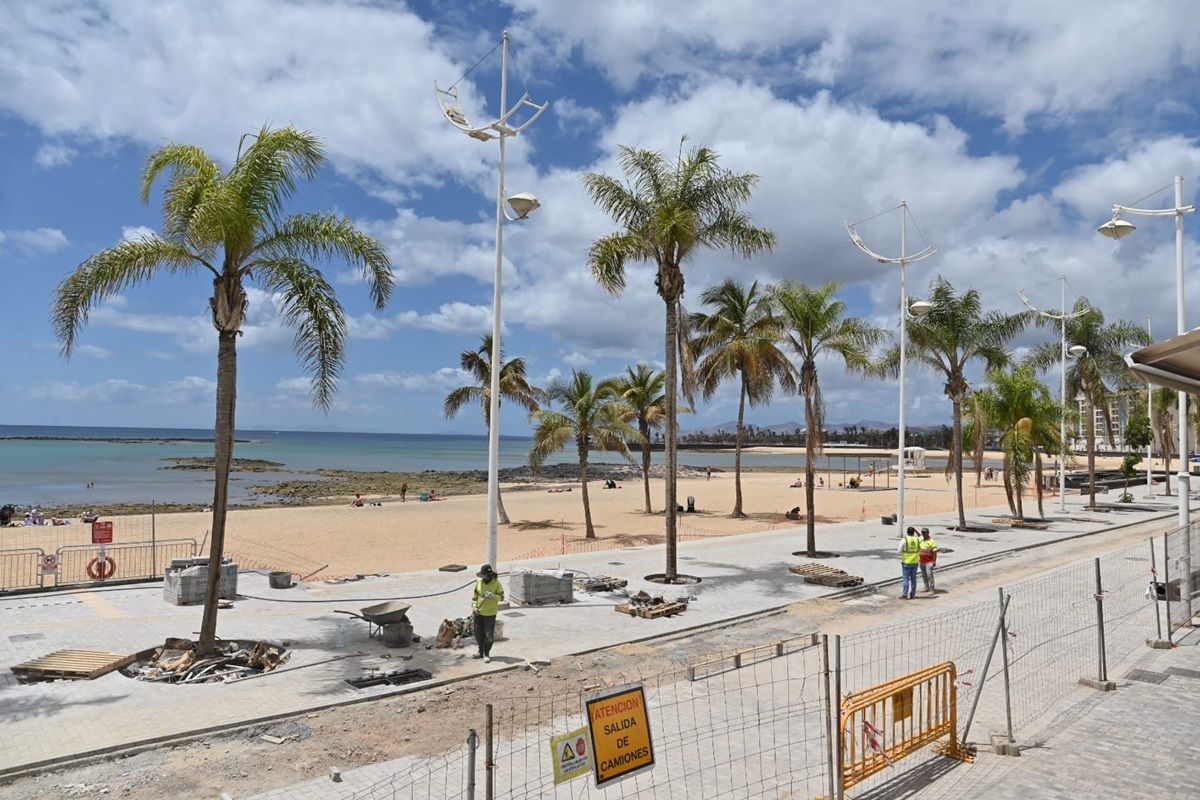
x: 928, y: 559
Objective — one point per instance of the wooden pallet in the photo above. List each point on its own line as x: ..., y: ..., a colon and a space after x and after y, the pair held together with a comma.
x: 823, y: 575
x: 652, y: 612
x: 77, y: 665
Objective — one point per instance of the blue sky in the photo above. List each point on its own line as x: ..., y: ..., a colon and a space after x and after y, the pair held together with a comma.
x: 1009, y: 129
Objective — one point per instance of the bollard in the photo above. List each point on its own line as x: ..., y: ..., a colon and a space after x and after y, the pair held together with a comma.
x: 1101, y: 682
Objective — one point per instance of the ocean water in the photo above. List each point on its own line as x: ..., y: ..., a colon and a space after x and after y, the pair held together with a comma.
x: 55, y: 471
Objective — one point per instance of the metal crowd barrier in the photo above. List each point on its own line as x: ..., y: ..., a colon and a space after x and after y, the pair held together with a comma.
x: 22, y: 569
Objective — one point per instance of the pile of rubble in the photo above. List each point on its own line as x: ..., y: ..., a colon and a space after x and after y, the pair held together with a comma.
x: 176, y: 662
x: 649, y: 606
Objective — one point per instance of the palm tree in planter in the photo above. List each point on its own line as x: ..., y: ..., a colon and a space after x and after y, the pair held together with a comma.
x: 1163, y: 420
x: 514, y: 387
x: 641, y: 390
x: 231, y: 224
x: 816, y: 327
x: 740, y: 339
x: 1097, y: 373
x: 956, y: 333
x: 591, y: 413
x: 667, y: 212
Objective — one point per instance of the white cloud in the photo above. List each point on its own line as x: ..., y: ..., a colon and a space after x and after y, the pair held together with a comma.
x: 37, y: 241
x: 92, y: 351
x: 1010, y: 61
x: 578, y: 360
x: 113, y: 390
x: 455, y: 317
x: 136, y: 232
x: 442, y: 380
x: 51, y: 155
x: 294, y: 385
x: 423, y: 249
x: 361, y: 74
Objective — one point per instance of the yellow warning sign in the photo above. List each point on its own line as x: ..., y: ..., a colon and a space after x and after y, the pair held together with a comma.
x: 571, y: 754
x: 620, y: 733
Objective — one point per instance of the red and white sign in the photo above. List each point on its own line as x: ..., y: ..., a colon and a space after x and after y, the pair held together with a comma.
x: 50, y: 564
x: 102, y: 532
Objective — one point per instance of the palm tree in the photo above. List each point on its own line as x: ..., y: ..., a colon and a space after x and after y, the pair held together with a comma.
x: 740, y: 339
x: 1164, y: 400
x: 514, y: 386
x: 816, y: 326
x: 592, y: 414
x: 667, y: 212
x: 955, y: 334
x: 1098, y: 373
x: 233, y: 225
x: 641, y: 391
x: 1021, y: 409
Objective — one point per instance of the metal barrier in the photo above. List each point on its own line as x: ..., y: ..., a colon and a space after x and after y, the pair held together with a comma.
x: 130, y: 560
x: 887, y: 722
x: 21, y: 569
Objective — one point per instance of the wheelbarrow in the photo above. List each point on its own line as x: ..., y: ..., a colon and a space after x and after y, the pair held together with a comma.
x: 381, y: 614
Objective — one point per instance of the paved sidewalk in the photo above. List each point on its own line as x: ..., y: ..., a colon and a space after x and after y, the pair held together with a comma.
x: 44, y: 723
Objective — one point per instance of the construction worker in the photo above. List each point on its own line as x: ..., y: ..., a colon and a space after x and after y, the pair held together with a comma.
x: 909, y: 549
x: 928, y: 559
x: 486, y: 603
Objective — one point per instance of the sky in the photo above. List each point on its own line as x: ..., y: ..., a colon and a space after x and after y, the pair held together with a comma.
x: 1010, y: 129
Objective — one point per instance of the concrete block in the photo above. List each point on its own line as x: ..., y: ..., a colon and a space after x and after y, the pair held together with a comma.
x: 1001, y: 746
x: 1103, y: 686
x: 1159, y: 644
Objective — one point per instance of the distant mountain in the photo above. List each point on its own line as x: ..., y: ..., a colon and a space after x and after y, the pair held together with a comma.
x: 789, y: 427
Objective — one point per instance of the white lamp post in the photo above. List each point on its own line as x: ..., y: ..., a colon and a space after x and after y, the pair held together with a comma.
x: 1062, y: 317
x: 522, y: 204
x: 918, y: 309
x: 1118, y: 228
x: 1150, y: 420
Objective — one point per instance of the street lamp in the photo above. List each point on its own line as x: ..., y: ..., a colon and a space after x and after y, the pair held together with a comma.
x: 918, y: 309
x: 1062, y: 317
x: 1118, y: 228
x: 501, y: 128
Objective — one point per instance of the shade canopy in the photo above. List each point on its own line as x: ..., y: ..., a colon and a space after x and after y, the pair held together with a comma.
x: 1174, y: 363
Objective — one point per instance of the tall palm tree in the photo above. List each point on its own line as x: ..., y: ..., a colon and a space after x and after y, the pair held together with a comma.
x: 817, y: 327
x: 514, y: 386
x: 955, y: 334
x: 667, y: 212
x: 232, y: 224
x: 592, y: 414
x: 740, y: 339
x: 641, y: 391
x: 1098, y: 374
x: 1163, y: 418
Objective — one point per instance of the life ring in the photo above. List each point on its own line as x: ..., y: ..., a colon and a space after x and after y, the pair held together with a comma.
x: 99, y: 569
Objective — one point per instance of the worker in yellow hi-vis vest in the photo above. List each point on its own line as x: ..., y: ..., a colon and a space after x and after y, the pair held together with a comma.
x: 485, y: 602
x: 909, y: 549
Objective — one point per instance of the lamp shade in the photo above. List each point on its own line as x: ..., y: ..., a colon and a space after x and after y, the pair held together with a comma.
x: 920, y: 308
x: 522, y: 204
x: 1117, y: 228
x: 1078, y: 351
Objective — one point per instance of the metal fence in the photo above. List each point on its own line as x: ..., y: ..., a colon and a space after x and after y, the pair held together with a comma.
x: 23, y: 569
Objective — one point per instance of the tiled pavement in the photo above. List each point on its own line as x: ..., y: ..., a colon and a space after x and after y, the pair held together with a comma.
x: 744, y: 574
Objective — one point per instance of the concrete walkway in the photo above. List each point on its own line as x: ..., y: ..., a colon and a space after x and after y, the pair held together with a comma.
x: 44, y: 724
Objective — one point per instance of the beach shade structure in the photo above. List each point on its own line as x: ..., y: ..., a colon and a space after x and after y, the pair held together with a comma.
x: 511, y: 122
x: 916, y: 309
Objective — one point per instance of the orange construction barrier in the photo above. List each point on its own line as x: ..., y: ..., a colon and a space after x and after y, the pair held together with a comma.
x: 883, y: 724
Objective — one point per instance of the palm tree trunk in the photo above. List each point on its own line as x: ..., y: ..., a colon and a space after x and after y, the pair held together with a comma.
x: 1008, y: 487
x: 810, y: 434
x: 223, y: 433
x: 737, y: 452
x: 957, y: 459
x: 645, y: 429
x: 590, y: 532
x: 1090, y: 422
x: 500, y: 512
x: 1165, y: 434
x: 1037, y: 466
x: 672, y: 380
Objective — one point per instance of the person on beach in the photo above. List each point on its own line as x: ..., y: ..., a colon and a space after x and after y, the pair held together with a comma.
x: 357, y: 502
x: 403, y: 491
x: 909, y: 550
x: 709, y: 474
x: 928, y: 560
x: 486, y: 603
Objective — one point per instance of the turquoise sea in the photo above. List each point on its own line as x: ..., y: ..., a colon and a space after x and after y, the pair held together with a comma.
x: 56, y: 468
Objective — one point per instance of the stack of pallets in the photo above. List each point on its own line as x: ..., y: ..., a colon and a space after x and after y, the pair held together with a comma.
x: 823, y: 575
x: 647, y: 607
x: 72, y: 665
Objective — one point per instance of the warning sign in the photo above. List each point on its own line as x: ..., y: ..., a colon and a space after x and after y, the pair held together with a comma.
x: 571, y: 755
x: 50, y: 564
x: 102, y: 532
x: 620, y: 733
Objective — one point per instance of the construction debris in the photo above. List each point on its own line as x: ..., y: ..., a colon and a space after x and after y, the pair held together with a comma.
x: 396, y: 678
x: 600, y: 583
x: 646, y: 606
x: 824, y: 575
x: 176, y: 662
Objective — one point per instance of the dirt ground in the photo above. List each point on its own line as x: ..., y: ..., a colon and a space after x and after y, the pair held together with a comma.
x: 430, y: 722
